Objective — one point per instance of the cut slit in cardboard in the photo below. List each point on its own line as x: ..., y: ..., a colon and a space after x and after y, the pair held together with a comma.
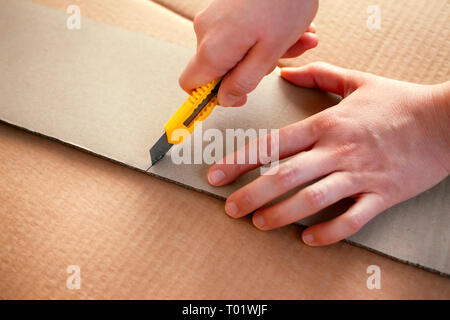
x: 113, y: 90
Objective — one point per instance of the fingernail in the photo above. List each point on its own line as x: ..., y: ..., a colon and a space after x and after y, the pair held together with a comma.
x: 287, y: 69
x: 283, y: 71
x: 308, y: 238
x: 216, y: 177
x: 231, y: 208
x: 229, y: 100
x: 258, y: 220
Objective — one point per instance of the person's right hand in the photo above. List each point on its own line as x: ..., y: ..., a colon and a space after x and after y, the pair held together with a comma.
x: 244, y: 39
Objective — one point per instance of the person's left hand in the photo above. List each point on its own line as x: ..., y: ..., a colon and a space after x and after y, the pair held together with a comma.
x: 385, y: 142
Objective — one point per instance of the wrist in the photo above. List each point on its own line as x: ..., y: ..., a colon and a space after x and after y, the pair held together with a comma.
x: 441, y: 109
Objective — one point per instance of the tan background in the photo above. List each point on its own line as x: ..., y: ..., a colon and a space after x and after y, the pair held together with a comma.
x: 60, y: 206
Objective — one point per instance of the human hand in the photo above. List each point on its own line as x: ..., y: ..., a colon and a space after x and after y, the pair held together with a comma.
x: 385, y: 142
x: 244, y: 39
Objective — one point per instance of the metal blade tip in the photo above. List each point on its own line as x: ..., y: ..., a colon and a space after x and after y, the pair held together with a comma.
x: 159, y: 150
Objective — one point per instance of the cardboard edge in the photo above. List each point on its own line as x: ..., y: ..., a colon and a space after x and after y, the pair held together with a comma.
x: 173, y: 9
x: 66, y: 143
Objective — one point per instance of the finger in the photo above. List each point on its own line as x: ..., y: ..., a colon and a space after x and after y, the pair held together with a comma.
x: 271, y: 69
x: 325, y: 77
x: 213, y: 59
x: 310, y: 200
x: 365, y: 209
x: 291, y: 140
x: 247, y: 74
x: 241, y: 102
x: 312, y: 28
x: 299, y: 170
x: 306, y: 42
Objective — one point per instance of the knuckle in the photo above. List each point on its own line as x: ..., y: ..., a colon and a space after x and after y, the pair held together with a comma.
x: 344, y: 149
x: 318, y: 66
x: 354, y: 223
x: 314, y: 196
x: 274, y: 219
x: 286, y: 175
x: 182, y: 83
x: 356, y: 180
x: 324, y: 123
x: 245, y: 200
x: 241, y: 86
x: 198, y: 22
x: 207, y: 53
x: 365, y: 163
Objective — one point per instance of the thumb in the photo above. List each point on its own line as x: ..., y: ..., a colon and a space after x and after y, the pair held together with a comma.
x: 325, y: 77
x: 246, y: 75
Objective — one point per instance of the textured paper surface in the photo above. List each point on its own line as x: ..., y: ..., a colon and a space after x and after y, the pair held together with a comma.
x: 412, y: 43
x: 138, y: 237
x: 112, y: 94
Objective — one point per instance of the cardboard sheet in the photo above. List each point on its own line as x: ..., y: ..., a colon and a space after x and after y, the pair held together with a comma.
x: 111, y: 95
x: 184, y: 8
x: 139, y: 237
x: 141, y: 16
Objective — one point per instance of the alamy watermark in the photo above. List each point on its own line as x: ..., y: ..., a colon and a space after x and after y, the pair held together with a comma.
x: 373, y: 22
x: 74, y: 20
x: 254, y: 146
x: 374, y: 280
x: 73, y: 281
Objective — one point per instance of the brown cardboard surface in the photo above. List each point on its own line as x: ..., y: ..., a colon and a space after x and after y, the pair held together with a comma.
x: 109, y: 99
x: 135, y: 237
x: 412, y: 43
x: 63, y: 215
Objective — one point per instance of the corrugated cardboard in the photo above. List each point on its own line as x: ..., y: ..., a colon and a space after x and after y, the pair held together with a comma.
x: 134, y: 237
x: 107, y: 99
x: 412, y: 43
x: 169, y: 241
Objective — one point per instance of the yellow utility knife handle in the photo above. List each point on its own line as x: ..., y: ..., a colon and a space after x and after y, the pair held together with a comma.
x: 179, y: 119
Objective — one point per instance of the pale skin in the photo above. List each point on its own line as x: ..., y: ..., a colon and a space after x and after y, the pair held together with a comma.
x: 385, y: 142
x: 245, y: 40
